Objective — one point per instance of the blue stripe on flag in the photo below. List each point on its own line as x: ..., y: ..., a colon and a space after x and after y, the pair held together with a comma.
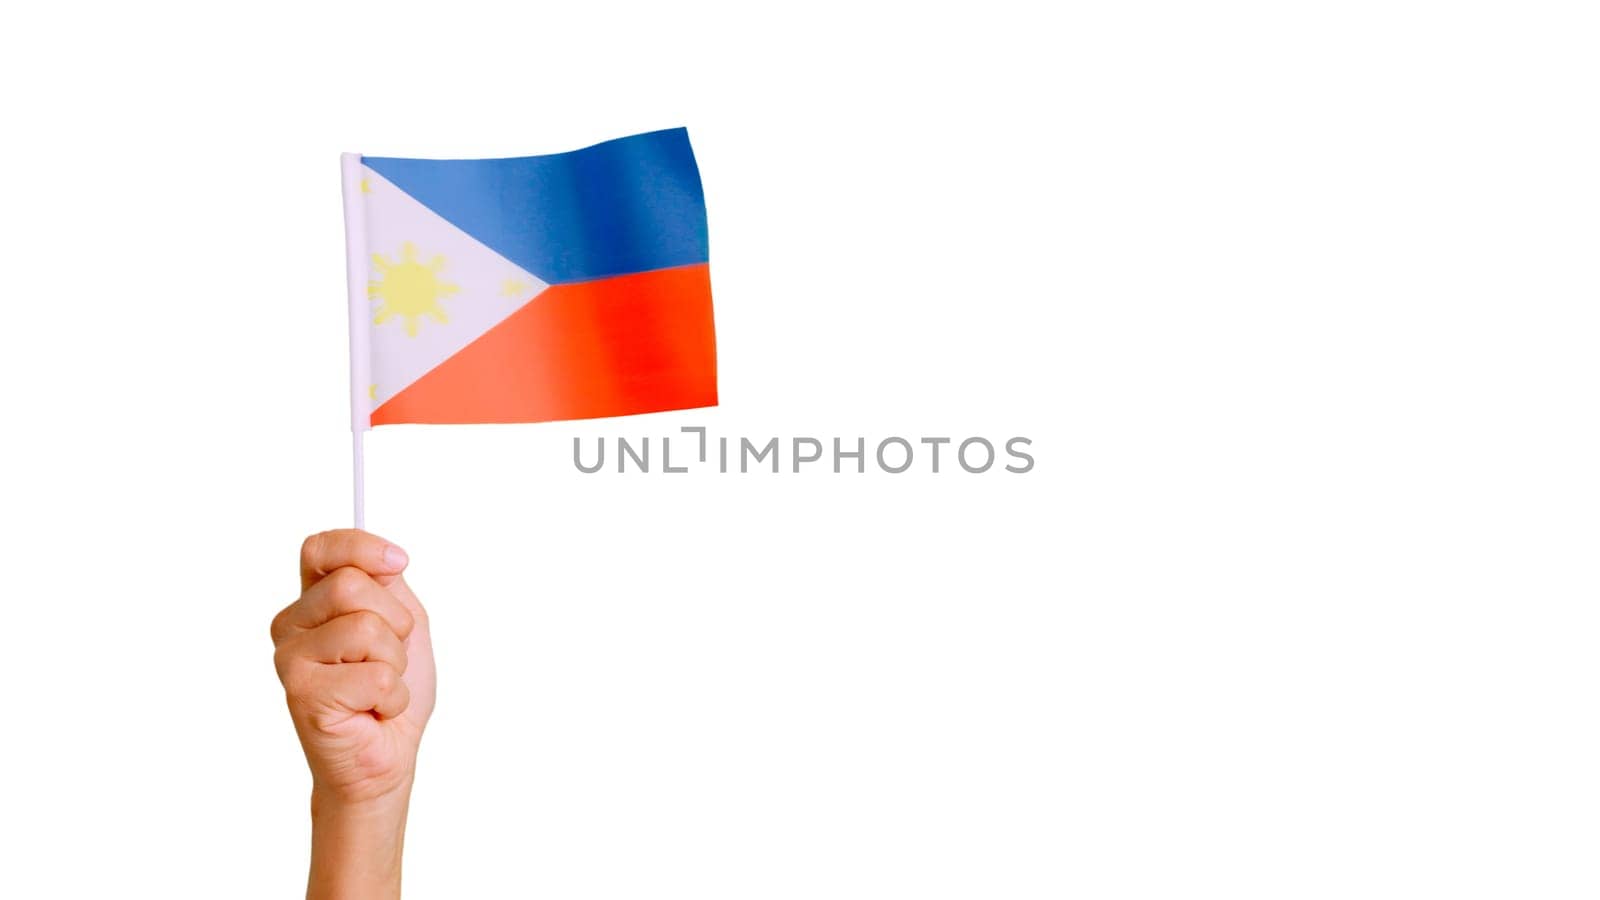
x: 629, y: 205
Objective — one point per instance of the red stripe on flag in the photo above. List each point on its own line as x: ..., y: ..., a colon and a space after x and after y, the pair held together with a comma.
x: 614, y: 347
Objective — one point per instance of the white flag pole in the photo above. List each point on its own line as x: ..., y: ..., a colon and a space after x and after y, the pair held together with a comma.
x: 355, y: 261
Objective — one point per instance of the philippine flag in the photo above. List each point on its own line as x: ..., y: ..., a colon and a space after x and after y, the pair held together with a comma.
x: 569, y: 286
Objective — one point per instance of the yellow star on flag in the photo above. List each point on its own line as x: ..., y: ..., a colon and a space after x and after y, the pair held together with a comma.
x: 410, y: 289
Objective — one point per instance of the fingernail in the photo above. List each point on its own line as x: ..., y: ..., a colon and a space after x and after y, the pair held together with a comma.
x: 395, y: 557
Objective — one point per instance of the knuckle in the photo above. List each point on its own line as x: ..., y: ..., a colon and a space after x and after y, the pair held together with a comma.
x: 385, y: 678
x: 280, y: 624
x: 345, y: 584
x: 368, y: 625
x: 407, y: 623
x: 280, y: 661
x: 295, y: 681
x: 311, y: 547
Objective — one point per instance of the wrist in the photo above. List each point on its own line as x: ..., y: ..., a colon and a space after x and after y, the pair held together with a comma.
x: 356, y: 845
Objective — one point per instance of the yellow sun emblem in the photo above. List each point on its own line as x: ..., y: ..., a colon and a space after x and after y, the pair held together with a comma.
x: 409, y: 289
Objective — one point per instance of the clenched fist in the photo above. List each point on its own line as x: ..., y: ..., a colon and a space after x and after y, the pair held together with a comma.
x: 355, y: 659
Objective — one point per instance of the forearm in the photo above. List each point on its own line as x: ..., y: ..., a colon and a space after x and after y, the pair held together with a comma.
x: 356, y: 848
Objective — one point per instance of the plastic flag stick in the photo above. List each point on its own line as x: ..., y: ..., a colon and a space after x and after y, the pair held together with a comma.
x: 355, y: 246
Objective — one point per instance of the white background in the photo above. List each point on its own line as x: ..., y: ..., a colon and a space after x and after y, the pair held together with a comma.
x: 1296, y: 301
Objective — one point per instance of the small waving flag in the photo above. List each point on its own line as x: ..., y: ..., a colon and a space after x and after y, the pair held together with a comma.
x: 569, y: 286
